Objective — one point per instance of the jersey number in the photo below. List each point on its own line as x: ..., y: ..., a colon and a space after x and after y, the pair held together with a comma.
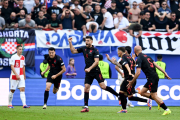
x: 151, y: 64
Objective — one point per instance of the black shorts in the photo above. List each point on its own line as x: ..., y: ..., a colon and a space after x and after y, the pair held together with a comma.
x: 56, y: 81
x: 124, y: 88
x: 91, y: 76
x: 152, y: 84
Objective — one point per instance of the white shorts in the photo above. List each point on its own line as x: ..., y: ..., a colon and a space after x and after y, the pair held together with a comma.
x: 17, y: 84
x: 88, y: 23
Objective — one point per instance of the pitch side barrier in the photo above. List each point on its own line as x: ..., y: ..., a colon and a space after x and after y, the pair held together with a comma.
x: 71, y: 93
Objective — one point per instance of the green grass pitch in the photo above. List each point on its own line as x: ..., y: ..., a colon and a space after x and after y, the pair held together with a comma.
x: 95, y: 113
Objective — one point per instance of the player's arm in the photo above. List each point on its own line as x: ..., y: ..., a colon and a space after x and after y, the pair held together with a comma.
x: 117, y: 68
x: 62, y: 71
x: 114, y: 61
x: 158, y: 67
x: 73, y: 50
x: 48, y: 67
x: 96, y: 62
x: 14, y: 71
x: 138, y: 72
x: 128, y: 69
x: 24, y: 72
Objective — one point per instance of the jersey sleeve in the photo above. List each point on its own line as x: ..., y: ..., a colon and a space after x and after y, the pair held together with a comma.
x: 61, y: 62
x: 80, y: 50
x: 12, y: 61
x: 96, y: 53
x: 138, y: 62
x: 123, y: 61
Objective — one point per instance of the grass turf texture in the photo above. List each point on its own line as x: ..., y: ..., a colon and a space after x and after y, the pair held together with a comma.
x: 96, y: 113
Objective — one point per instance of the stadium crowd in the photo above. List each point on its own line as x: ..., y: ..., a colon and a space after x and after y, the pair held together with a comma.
x: 90, y: 15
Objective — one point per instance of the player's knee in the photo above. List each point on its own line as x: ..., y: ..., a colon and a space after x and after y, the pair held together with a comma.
x: 12, y: 91
x: 86, y: 89
x: 47, y: 88
x: 103, y: 87
x: 22, y: 89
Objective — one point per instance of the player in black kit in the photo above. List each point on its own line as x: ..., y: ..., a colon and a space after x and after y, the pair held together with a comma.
x: 127, y: 63
x: 91, y: 56
x: 148, y: 66
x: 57, y: 68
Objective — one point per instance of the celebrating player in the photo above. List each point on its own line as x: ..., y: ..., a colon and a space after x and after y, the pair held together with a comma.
x: 127, y: 64
x: 91, y: 56
x: 148, y: 66
x: 18, y: 76
x: 57, y: 68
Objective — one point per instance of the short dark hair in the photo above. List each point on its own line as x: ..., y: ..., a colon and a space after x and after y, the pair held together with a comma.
x: 173, y: 13
x: 89, y: 37
x: 128, y: 48
x: 93, y: 27
x: 159, y: 56
x: 18, y: 46
x: 142, y: 13
x: 100, y: 57
x: 121, y: 49
x: 103, y: 8
x: 51, y: 49
x: 137, y: 27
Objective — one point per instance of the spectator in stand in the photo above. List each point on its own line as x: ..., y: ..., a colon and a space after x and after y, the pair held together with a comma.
x: 135, y: 27
x: 19, y: 8
x: 54, y: 9
x: 63, y: 10
x: 133, y: 13
x: 46, y: 15
x: 178, y: 13
x: 165, y: 9
x: 79, y: 22
x: 60, y: 4
x: 41, y: 21
x: 147, y: 3
x: 121, y: 23
x: 141, y: 6
x: 21, y: 16
x: 76, y: 5
x: 172, y: 24
x: 97, y: 15
x: 174, y: 5
x: 54, y: 23
x: 113, y: 10
x: 71, y: 71
x: 151, y: 9
x: 67, y: 18
x: 101, y: 2
x: 91, y: 26
x: 6, y: 10
x: 147, y: 23
x: 142, y: 15
x: 13, y: 4
x: 160, y: 21
x: 122, y: 5
x: 12, y: 21
x: 27, y: 23
x: 2, y: 22
x: 36, y: 9
x: 91, y: 3
x: 157, y: 5
x: 29, y: 4
x: 107, y: 23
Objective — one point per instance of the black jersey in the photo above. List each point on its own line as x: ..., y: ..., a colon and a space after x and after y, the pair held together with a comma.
x: 126, y: 59
x: 55, y: 64
x: 89, y: 55
x: 146, y: 64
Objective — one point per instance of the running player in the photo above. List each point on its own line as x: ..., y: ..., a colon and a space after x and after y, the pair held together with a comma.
x: 18, y: 76
x: 148, y: 66
x: 91, y: 56
x: 127, y: 64
x: 57, y: 68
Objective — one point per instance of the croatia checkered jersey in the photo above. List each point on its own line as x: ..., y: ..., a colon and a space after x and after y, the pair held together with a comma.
x: 18, y: 62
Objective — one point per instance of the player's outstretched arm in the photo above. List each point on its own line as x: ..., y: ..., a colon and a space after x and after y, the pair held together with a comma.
x: 158, y: 67
x: 113, y: 61
x: 73, y: 50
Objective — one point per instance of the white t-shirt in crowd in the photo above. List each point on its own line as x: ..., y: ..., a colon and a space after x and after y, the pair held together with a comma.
x: 60, y: 5
x: 124, y: 22
x: 18, y: 62
x: 109, y: 20
x: 29, y: 4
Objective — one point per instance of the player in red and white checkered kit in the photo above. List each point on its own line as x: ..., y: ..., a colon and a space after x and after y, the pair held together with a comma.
x: 17, y: 78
